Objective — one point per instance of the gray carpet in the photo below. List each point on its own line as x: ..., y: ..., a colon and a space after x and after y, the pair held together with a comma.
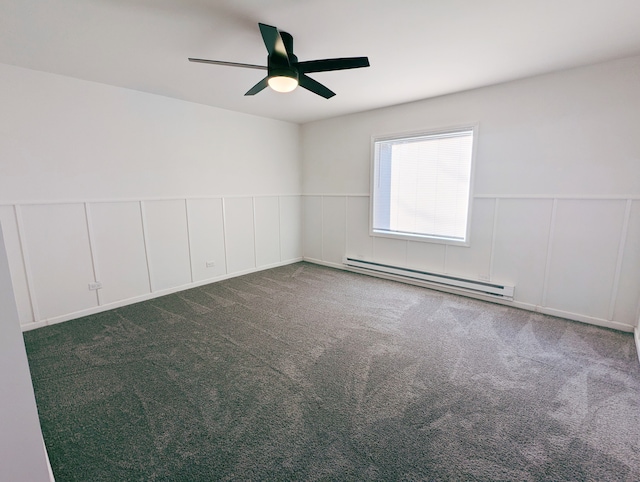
x: 308, y: 373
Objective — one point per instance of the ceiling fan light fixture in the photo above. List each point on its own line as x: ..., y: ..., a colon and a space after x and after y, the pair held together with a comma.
x: 284, y: 72
x: 283, y: 83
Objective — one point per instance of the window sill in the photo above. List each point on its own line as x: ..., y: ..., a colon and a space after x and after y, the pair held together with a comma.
x: 420, y: 238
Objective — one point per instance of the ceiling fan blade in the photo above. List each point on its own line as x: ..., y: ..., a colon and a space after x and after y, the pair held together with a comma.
x: 229, y: 64
x: 273, y: 42
x: 326, y: 65
x: 258, y: 87
x: 315, y: 87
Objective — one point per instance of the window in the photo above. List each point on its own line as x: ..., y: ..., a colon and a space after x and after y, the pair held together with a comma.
x: 422, y: 186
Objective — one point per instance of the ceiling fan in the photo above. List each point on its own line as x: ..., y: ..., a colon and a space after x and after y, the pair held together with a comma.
x: 284, y: 72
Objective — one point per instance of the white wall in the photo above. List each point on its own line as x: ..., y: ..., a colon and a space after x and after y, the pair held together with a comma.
x: 22, y: 453
x: 136, y: 191
x: 64, y: 138
x: 556, y: 208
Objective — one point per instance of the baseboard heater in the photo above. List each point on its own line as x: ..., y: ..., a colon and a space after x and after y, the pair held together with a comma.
x: 439, y: 280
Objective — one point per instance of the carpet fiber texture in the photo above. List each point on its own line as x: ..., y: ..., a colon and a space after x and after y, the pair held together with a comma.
x: 308, y: 373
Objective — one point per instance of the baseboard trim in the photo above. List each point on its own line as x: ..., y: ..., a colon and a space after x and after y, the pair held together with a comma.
x: 615, y: 325
x: 148, y: 296
x: 516, y: 304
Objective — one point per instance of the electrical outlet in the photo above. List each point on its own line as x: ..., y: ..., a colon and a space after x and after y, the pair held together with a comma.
x: 95, y: 286
x: 210, y: 264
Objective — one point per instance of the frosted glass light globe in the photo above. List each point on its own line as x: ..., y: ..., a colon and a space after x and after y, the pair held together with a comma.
x: 282, y: 83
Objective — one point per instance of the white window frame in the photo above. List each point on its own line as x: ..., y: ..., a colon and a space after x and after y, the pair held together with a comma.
x: 424, y: 133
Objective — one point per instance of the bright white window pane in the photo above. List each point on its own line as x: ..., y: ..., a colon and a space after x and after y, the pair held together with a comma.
x: 422, y: 185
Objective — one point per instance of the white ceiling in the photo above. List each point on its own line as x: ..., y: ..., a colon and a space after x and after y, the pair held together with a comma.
x: 417, y: 48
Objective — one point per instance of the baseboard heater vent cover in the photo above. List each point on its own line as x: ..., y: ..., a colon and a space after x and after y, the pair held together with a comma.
x: 434, y: 279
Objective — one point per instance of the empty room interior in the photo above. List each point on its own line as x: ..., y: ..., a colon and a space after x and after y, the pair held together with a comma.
x: 422, y: 263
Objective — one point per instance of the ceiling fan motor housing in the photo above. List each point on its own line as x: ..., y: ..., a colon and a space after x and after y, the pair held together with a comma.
x: 287, y: 40
x: 284, y: 67
x: 284, y: 71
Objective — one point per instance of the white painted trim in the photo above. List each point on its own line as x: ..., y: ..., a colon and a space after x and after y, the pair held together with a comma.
x: 346, y: 225
x: 547, y: 265
x: 516, y: 304
x: 636, y: 336
x: 621, y: 248
x: 334, y: 195
x: 225, y: 241
x: 35, y: 319
x: 590, y: 320
x: 320, y: 262
x: 322, y: 227
x: 189, y: 247
x: 431, y: 239
x: 576, y: 197
x: 422, y: 239
x: 138, y: 199
x: 496, y: 210
x: 573, y: 197
x: 24, y: 261
x: 255, y: 231
x: 638, y: 315
x: 145, y: 239
x: 148, y: 296
x: 92, y: 249
x: 472, y: 127
x: 279, y: 229
x: 28, y: 272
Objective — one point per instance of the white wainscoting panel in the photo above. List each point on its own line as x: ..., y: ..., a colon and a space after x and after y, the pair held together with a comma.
x: 140, y: 249
x: 359, y: 242
x: 577, y: 258
x: 520, y: 246
x: 167, y: 243
x: 628, y: 294
x: 474, y: 261
x: 267, y: 225
x: 428, y: 257
x: 584, y: 253
x: 334, y: 235
x: 390, y: 251
x: 240, y: 234
x: 119, y: 251
x: 16, y: 264
x: 206, y: 237
x: 290, y: 227
x: 312, y: 224
x: 60, y: 263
